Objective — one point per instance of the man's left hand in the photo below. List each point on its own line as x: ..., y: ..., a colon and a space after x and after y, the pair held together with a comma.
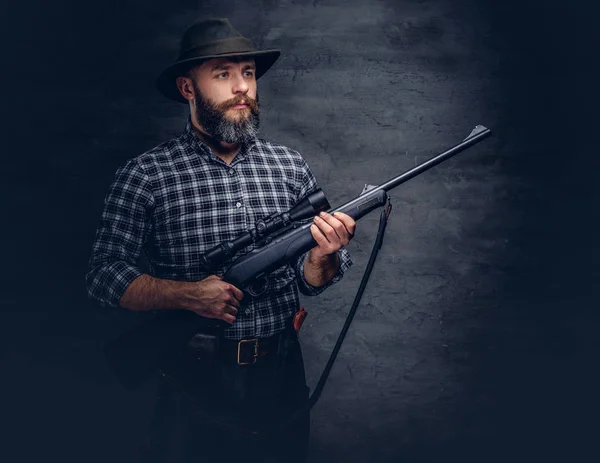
x: 331, y: 232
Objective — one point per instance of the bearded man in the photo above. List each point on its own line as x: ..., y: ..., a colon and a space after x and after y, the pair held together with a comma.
x: 177, y: 201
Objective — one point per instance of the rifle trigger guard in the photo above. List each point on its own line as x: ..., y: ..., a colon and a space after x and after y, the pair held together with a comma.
x: 258, y: 286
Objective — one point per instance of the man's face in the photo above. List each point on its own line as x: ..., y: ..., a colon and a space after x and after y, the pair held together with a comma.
x: 226, y: 103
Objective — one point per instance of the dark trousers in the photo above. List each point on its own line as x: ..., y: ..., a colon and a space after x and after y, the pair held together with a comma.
x: 226, y: 412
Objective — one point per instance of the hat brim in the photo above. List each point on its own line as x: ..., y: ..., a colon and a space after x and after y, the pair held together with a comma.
x: 166, y: 84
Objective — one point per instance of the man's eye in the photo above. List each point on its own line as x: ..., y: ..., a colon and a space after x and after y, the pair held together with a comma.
x: 249, y: 73
x: 222, y: 75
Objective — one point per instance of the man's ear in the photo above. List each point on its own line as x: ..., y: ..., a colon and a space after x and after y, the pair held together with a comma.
x: 186, y: 87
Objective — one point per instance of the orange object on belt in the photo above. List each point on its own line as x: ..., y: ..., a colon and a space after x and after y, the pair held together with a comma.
x: 299, y: 319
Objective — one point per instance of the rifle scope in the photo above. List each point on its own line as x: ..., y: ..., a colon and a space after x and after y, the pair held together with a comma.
x: 307, y: 207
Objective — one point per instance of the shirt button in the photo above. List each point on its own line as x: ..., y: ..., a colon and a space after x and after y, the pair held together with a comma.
x: 238, y: 204
x: 247, y: 311
x: 231, y: 171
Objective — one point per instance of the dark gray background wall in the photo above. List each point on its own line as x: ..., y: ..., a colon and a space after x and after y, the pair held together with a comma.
x: 476, y: 340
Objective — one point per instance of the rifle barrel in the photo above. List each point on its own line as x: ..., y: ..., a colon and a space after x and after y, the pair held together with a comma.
x: 479, y: 133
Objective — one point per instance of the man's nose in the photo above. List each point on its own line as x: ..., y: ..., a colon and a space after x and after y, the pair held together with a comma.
x: 240, y: 85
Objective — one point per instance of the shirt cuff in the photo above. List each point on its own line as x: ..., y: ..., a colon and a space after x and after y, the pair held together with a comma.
x: 309, y: 290
x: 110, y: 282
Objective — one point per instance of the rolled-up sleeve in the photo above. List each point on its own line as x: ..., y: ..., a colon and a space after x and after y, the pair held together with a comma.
x: 309, y: 184
x: 121, y: 234
x: 309, y: 290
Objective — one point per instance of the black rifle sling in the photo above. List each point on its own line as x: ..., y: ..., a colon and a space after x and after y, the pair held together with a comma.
x: 314, y: 397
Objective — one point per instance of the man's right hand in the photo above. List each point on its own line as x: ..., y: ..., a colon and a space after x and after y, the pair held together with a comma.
x: 211, y: 297
x: 214, y: 298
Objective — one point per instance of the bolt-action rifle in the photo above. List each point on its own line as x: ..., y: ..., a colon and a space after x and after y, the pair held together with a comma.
x: 279, y: 239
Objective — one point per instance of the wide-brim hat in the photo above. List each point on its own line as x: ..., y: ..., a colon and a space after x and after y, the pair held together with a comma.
x: 207, y: 39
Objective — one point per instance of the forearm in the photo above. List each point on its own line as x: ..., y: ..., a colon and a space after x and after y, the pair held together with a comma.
x: 319, y: 270
x: 149, y: 293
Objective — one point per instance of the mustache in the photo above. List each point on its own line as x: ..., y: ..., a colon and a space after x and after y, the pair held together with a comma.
x: 251, y: 102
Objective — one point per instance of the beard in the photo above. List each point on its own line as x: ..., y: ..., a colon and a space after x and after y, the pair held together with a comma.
x: 218, y: 124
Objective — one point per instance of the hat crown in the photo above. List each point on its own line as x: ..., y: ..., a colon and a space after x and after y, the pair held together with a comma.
x: 206, y: 32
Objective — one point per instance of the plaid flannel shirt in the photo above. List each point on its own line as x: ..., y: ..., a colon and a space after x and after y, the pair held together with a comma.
x: 179, y: 200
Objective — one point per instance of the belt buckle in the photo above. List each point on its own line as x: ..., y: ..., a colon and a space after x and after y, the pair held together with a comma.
x: 241, y: 361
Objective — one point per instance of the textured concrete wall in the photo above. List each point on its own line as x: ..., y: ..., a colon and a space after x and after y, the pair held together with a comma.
x: 475, y: 337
